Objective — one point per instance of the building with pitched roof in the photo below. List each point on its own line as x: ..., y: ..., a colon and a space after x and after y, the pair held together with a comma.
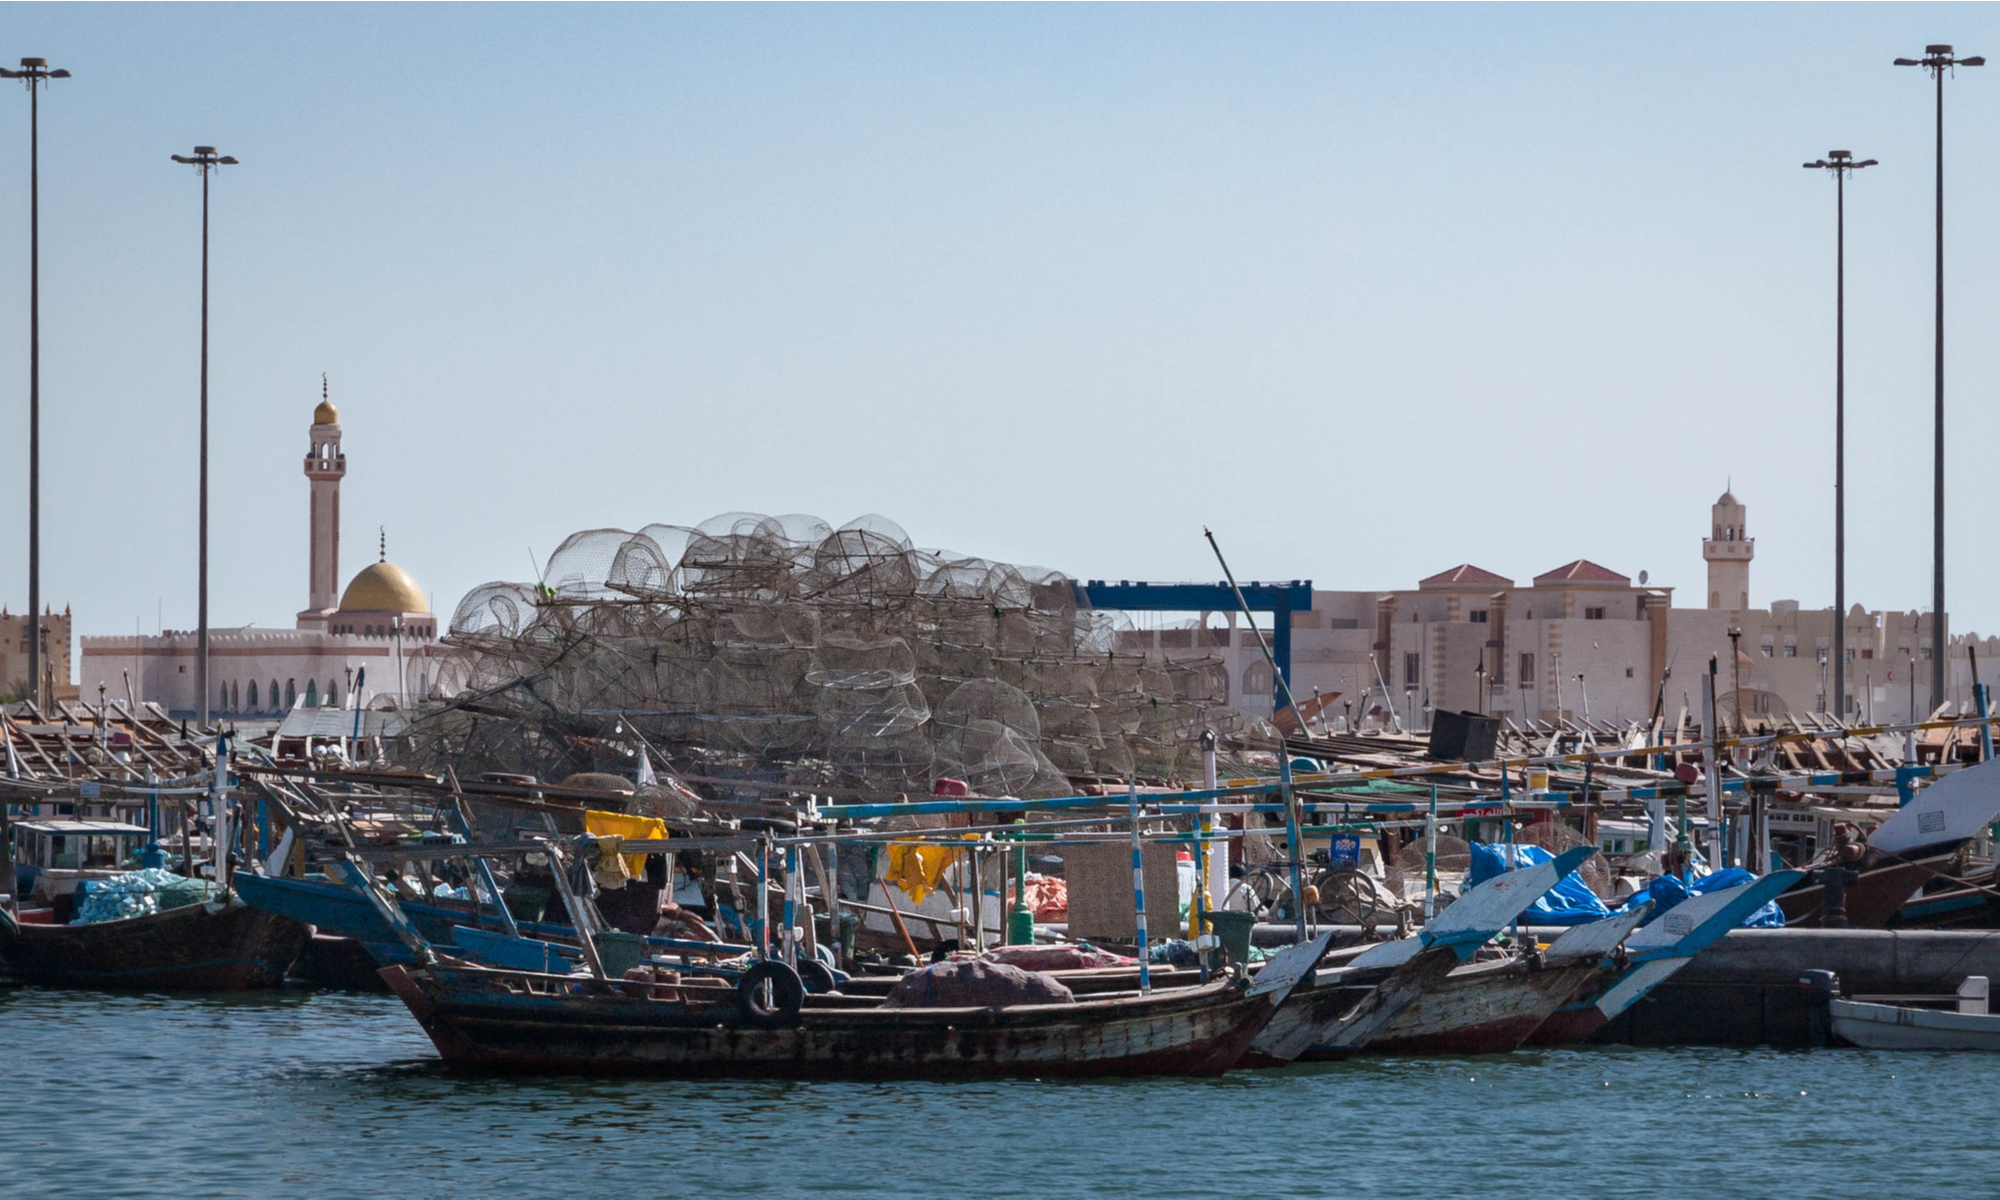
x: 1582, y: 640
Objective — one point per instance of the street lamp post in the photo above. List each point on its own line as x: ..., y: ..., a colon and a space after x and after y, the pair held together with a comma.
x: 35, y: 72
x: 1841, y: 163
x: 206, y: 161
x: 1938, y: 60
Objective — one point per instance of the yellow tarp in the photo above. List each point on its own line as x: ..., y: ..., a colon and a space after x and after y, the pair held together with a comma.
x: 604, y: 824
x: 917, y: 869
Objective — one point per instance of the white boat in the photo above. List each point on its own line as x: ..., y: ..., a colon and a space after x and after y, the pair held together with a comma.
x: 1874, y: 1026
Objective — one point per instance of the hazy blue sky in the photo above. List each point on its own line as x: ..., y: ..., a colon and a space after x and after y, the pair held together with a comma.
x: 1370, y: 290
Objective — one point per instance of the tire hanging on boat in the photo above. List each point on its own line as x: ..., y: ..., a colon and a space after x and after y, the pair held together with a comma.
x: 788, y: 995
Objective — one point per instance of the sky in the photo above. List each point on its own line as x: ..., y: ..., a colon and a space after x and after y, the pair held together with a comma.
x: 1370, y: 291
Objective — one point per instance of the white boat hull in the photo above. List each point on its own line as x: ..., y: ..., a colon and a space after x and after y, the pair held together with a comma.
x: 1893, y: 1027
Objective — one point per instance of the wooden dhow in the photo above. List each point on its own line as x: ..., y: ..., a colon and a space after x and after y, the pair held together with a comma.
x: 518, y: 1021
x: 219, y: 945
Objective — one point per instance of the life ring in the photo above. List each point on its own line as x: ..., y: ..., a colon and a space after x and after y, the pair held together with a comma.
x: 788, y: 995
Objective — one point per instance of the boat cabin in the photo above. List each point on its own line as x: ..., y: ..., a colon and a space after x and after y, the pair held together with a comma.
x: 51, y: 854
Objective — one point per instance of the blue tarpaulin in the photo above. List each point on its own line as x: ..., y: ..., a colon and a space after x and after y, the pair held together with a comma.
x: 1668, y: 890
x: 1569, y: 902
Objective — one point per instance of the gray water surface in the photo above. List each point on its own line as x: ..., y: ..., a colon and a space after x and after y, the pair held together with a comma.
x: 305, y: 1093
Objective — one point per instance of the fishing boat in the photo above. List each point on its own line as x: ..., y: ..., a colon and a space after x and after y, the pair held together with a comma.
x: 1918, y: 843
x: 1491, y: 1007
x: 338, y: 910
x: 1653, y: 955
x: 525, y: 1021
x: 1887, y: 883
x: 1880, y: 1026
x: 218, y: 945
x: 1342, y: 1008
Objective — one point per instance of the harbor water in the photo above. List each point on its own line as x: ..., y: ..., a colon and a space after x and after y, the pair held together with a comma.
x: 302, y: 1093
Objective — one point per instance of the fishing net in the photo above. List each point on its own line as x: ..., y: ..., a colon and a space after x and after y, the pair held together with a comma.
x: 786, y: 648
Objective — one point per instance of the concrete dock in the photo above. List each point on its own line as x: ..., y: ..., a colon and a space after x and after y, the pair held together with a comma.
x: 1744, y: 990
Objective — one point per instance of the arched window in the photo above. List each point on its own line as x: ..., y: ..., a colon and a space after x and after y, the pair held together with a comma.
x: 1715, y: 599
x: 222, y: 697
x: 253, y: 695
x: 292, y: 692
x: 1257, y: 679
x: 332, y: 695
x: 236, y: 696
x: 273, y: 694
x: 312, y: 694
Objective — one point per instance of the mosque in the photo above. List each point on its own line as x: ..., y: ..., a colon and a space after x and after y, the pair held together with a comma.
x: 379, y: 635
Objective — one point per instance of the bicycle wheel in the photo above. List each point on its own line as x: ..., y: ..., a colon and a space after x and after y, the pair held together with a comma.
x: 1347, y: 897
x: 1270, y: 888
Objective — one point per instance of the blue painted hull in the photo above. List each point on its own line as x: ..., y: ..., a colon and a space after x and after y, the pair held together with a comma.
x: 339, y: 910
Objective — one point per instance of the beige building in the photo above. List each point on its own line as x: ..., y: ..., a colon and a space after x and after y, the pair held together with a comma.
x: 14, y: 632
x: 379, y: 638
x: 1583, y: 639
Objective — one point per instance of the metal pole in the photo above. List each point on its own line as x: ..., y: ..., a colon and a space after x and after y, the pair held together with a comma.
x: 1431, y: 857
x: 1840, y: 443
x: 201, y: 634
x: 219, y: 801
x: 1138, y: 886
x: 790, y: 941
x: 35, y: 390
x: 764, y: 896
x: 1940, y: 636
x: 1713, y: 769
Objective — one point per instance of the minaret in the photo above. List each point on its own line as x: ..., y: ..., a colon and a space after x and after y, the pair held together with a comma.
x: 325, y: 465
x: 1728, y: 550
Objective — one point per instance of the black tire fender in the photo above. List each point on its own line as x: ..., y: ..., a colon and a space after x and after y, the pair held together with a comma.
x: 788, y: 995
x: 817, y: 977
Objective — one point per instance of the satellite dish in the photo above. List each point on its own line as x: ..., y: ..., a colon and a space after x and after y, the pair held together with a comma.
x: 1642, y: 579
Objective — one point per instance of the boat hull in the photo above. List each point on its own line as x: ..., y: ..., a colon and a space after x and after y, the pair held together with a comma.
x: 1873, y: 901
x: 476, y: 1022
x: 1894, y: 1027
x: 1569, y: 1025
x: 1302, y: 1017
x: 210, y: 947
x: 1480, y: 1009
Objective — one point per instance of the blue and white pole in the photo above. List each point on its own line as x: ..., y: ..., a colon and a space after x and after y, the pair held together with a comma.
x: 763, y: 931
x: 790, y: 943
x: 218, y: 801
x: 1139, y: 886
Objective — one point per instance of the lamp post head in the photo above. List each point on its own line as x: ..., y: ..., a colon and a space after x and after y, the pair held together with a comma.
x: 1939, y: 58
x: 1838, y: 155
x: 204, y: 150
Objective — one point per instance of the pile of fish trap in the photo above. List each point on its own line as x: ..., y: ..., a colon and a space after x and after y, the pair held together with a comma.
x: 792, y: 650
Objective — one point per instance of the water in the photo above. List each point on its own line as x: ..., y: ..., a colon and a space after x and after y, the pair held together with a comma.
x: 299, y: 1092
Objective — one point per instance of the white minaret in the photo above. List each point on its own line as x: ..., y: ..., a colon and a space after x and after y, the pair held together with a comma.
x: 1728, y: 550
x: 325, y: 465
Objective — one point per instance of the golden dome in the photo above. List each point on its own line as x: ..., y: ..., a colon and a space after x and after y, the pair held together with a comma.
x: 326, y: 414
x: 383, y: 587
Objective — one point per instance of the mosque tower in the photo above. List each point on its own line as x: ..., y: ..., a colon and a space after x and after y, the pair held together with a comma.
x: 325, y: 465
x: 1728, y: 550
